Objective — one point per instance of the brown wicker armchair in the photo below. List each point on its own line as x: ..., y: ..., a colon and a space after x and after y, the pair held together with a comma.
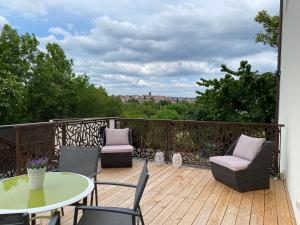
x: 117, y: 150
x: 241, y: 174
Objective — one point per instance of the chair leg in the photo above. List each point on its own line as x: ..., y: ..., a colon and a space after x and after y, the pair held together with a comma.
x: 141, y: 217
x: 33, y: 221
x: 84, y: 201
x: 96, y: 195
x: 92, y: 197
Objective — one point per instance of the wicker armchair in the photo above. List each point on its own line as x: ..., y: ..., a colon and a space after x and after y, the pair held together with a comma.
x: 243, y: 174
x: 117, y: 148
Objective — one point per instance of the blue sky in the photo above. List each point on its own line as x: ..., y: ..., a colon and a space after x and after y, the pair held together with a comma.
x: 138, y: 46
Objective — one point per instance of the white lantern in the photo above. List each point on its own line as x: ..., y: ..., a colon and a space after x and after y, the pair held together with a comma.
x: 177, y: 160
x: 159, y: 158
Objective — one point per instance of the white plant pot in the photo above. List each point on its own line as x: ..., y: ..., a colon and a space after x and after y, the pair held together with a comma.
x: 159, y: 158
x: 36, y: 178
x: 177, y: 160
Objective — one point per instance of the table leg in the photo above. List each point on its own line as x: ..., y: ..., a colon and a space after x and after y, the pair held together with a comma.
x: 85, y: 201
x: 33, y: 219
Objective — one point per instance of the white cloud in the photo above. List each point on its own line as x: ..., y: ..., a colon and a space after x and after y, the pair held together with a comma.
x: 141, y: 45
x: 3, y: 21
x: 27, y: 8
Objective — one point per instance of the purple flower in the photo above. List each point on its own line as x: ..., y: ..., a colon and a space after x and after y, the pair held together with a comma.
x: 37, y: 163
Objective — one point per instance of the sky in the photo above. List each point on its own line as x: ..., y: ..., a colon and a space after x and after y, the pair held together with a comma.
x: 140, y: 46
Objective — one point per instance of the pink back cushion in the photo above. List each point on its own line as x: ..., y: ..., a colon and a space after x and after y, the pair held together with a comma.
x: 117, y: 136
x: 248, y: 147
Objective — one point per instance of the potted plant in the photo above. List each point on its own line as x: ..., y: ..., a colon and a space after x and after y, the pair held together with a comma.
x: 36, y: 170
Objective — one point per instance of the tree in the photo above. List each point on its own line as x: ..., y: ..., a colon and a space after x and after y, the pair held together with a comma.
x: 166, y: 114
x: 51, y: 89
x: 242, y: 96
x: 270, y: 35
x: 12, y: 101
x: 17, y: 54
x: 38, y: 86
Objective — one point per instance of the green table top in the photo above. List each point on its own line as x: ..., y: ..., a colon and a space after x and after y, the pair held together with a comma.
x: 60, y: 189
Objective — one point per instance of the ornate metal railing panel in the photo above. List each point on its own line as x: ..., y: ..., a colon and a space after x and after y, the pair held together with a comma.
x: 34, y: 141
x: 149, y: 136
x: 7, y: 158
x: 80, y: 132
x: 195, y: 140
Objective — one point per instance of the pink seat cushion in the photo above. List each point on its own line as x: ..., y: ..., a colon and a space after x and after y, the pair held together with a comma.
x: 231, y: 162
x: 117, y: 136
x: 248, y: 147
x: 117, y: 148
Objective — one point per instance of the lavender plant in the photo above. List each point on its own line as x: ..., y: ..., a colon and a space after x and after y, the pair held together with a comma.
x: 38, y: 163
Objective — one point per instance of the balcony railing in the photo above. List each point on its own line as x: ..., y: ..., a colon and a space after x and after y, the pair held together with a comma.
x: 195, y: 140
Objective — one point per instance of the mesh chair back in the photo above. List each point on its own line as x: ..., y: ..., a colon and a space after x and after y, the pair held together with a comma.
x: 14, y: 219
x: 81, y: 160
x: 141, y: 186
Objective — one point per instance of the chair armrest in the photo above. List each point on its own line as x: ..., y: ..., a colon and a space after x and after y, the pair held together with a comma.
x: 109, y: 209
x: 115, y: 184
x: 95, y: 174
x: 55, y: 219
x: 264, y: 157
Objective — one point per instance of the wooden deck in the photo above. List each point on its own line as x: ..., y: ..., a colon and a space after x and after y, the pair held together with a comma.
x: 191, y: 196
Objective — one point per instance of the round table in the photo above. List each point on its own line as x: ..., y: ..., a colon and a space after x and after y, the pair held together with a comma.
x: 60, y: 189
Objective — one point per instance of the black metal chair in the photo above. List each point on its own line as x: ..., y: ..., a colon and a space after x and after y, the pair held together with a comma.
x: 254, y: 176
x: 81, y: 160
x: 23, y: 219
x: 95, y: 215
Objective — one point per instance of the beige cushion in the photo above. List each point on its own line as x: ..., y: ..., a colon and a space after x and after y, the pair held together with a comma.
x: 117, y: 148
x: 230, y: 162
x: 248, y: 147
x: 117, y: 136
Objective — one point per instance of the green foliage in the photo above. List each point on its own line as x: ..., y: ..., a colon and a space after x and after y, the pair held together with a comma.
x: 166, y: 113
x: 240, y: 96
x: 12, y: 101
x: 38, y: 86
x: 17, y: 54
x: 160, y: 110
x: 270, y: 35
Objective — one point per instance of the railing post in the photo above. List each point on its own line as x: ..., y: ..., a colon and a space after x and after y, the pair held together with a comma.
x: 18, y: 152
x: 63, y: 134
x: 277, y: 151
x: 112, y: 123
x: 168, y: 140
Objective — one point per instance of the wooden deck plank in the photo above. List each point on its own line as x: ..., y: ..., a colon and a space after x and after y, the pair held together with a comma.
x: 283, y: 213
x: 244, y: 213
x: 219, y: 211
x: 232, y: 209
x: 205, y: 213
x: 270, y: 216
x: 189, y: 195
x: 293, y: 218
x: 258, y: 208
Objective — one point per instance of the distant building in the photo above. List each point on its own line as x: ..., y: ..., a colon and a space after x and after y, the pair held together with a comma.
x: 155, y: 98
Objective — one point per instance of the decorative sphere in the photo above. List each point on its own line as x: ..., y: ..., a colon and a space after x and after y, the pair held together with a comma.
x: 159, y: 158
x: 177, y: 160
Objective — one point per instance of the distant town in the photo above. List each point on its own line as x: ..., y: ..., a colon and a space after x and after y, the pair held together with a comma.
x: 155, y: 98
